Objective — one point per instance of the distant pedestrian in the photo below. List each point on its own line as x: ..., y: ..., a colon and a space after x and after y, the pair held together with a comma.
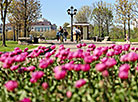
x: 65, y: 34
x: 127, y: 38
x: 58, y: 35
x: 78, y: 33
x: 61, y: 34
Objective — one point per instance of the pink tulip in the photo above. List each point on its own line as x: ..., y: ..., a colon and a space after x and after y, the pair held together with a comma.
x: 132, y: 56
x: 32, y: 80
x: 88, y: 59
x: 46, y: 49
x: 69, y: 94
x: 91, y: 46
x: 85, y: 67
x: 126, y: 47
x: 84, y: 44
x: 60, y: 75
x: 105, y: 73
x: 77, y: 67
x: 97, y: 52
x: 68, y: 66
x: 124, y: 58
x: 80, y: 83
x: 79, y: 45
x: 124, y: 67
x: 43, y: 65
x: 110, y: 53
x: 44, y: 85
x: 14, y: 67
x: 11, y: 85
x: 123, y: 75
x: 6, y: 65
x: 53, y: 47
x: 118, y: 47
x: 37, y: 75
x: 132, y: 48
x: 17, y: 48
x: 137, y: 68
x: 110, y: 62
x: 26, y: 49
x: 31, y: 68
x: 100, y: 67
x: 26, y: 100
x: 104, y: 59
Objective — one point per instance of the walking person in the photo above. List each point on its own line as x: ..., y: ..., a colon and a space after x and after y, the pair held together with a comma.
x: 61, y: 34
x: 58, y: 35
x: 127, y: 38
x: 78, y: 32
x: 65, y: 34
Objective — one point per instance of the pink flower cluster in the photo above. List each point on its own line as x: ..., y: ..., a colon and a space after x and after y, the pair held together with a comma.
x: 26, y: 100
x: 11, y: 85
x: 36, y: 75
x: 130, y: 57
x: 44, y: 63
x: 123, y: 71
x: 60, y: 73
x: 106, y: 63
x: 80, y: 83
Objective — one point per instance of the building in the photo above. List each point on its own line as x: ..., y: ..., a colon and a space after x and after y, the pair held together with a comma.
x: 134, y: 23
x: 43, y: 25
x: 84, y: 28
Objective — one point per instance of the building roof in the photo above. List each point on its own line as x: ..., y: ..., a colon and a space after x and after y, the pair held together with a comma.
x: 79, y: 24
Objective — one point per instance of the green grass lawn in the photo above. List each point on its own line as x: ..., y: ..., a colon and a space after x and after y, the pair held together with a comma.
x: 122, y: 40
x: 12, y: 44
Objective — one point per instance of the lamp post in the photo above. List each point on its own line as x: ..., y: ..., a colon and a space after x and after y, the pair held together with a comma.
x: 72, y: 12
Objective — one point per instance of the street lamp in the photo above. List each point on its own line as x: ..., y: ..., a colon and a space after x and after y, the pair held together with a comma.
x: 72, y: 12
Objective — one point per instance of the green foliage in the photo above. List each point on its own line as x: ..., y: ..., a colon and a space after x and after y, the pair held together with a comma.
x: 84, y: 14
x: 48, y: 34
x: 12, y: 44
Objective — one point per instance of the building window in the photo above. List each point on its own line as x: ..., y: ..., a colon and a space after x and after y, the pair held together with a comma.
x: 9, y: 28
x: 41, y: 29
x: 45, y: 29
x: 38, y: 29
x: 35, y: 29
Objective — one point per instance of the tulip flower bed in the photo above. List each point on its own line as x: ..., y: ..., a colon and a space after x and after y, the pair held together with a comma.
x: 103, y: 74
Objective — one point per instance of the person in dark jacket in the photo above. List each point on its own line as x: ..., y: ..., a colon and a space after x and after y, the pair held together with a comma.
x: 65, y: 34
x: 58, y: 35
x: 61, y: 33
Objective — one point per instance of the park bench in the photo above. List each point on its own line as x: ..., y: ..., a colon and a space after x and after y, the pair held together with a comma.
x: 24, y: 40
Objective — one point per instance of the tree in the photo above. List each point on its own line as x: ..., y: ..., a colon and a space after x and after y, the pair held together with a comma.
x: 23, y: 15
x: 102, y: 17
x: 124, y: 13
x: 65, y: 25
x: 4, y: 4
x: 84, y: 14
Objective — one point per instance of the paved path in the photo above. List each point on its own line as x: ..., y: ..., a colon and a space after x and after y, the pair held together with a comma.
x: 72, y: 45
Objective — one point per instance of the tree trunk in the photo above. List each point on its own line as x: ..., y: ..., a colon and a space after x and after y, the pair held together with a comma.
x: 125, y: 29
x: 129, y: 26
x: 102, y: 31
x: 107, y: 25
x: 3, y: 34
x: 99, y: 30
x: 17, y: 32
x: 25, y: 19
x: 14, y: 39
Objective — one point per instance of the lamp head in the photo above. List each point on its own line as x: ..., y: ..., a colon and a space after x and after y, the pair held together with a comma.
x: 75, y: 11
x: 68, y: 11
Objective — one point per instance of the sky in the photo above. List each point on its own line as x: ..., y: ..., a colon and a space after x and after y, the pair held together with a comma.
x: 56, y: 10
